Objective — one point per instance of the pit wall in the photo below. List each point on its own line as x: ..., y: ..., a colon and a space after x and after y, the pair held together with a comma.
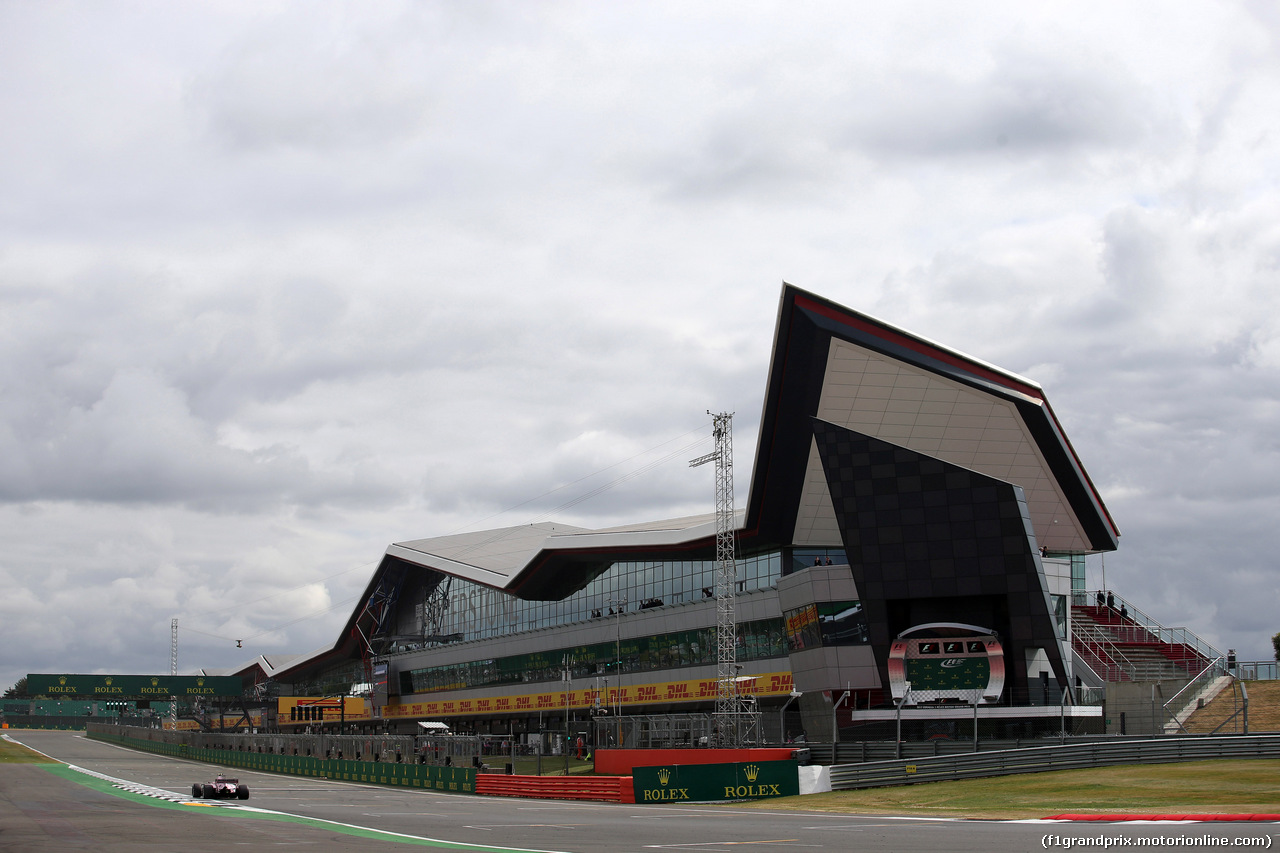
x: 613, y: 781
x: 448, y: 779
x: 374, y: 748
x: 46, y: 722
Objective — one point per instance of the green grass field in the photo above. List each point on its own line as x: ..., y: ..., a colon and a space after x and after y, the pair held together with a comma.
x: 14, y: 753
x: 1198, y: 787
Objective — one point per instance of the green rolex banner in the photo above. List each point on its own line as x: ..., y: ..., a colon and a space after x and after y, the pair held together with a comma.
x: 749, y: 780
x: 134, y: 686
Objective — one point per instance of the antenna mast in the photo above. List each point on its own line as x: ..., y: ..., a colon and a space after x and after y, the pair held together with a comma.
x: 727, y: 700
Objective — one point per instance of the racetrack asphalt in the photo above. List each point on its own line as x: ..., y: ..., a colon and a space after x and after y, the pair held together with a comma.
x: 57, y: 808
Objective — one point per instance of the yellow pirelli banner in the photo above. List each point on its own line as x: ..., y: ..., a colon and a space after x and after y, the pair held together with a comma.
x: 633, y: 695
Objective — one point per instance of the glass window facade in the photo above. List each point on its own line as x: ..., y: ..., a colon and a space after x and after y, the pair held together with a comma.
x: 802, y: 558
x: 334, y: 680
x: 827, y: 623
x: 1060, y: 615
x: 757, y: 640
x: 459, y: 610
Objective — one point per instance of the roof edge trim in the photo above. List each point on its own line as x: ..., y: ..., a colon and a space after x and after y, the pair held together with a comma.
x: 919, y: 345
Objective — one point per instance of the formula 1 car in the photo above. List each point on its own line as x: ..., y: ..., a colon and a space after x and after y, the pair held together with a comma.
x: 221, y: 788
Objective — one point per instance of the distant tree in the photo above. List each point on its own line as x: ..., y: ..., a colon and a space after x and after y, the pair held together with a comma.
x: 1275, y: 644
x: 19, y: 690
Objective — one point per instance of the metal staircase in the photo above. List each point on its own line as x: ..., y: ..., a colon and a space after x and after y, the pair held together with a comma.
x: 1121, y: 643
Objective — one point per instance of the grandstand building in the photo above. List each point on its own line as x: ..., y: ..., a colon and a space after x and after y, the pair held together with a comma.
x: 914, y: 533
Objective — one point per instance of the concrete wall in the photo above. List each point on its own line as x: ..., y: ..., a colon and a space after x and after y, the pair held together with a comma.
x: 1136, y: 707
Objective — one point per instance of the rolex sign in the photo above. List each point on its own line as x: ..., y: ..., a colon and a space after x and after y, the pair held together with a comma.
x: 700, y: 783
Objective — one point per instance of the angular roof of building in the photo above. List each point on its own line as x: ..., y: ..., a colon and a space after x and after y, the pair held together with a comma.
x: 498, y: 557
x: 842, y: 367
x: 847, y: 369
x: 549, y: 560
x: 858, y: 372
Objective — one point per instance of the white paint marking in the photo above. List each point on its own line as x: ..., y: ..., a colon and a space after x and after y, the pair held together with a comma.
x: 125, y: 784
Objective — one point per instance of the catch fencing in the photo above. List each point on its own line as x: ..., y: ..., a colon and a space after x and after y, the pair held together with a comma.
x: 435, y: 777
x: 449, y: 750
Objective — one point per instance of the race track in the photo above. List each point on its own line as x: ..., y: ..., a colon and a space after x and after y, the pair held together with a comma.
x: 49, y: 808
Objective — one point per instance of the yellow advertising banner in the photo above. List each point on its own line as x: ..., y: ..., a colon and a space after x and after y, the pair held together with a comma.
x: 317, y: 709
x: 800, y: 619
x: 229, y: 723
x: 699, y: 690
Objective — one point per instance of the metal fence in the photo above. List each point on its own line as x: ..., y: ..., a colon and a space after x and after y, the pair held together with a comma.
x: 65, y: 721
x: 882, y: 750
x: 445, y: 750
x: 1073, y: 756
x: 1258, y: 670
x: 675, y: 731
x: 406, y: 774
x: 1141, y: 628
x: 536, y: 755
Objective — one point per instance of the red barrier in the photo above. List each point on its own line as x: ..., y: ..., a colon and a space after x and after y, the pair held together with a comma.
x: 618, y: 762
x: 609, y: 789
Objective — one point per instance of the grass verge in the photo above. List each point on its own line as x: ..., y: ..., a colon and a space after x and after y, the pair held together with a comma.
x: 16, y: 753
x: 1249, y: 786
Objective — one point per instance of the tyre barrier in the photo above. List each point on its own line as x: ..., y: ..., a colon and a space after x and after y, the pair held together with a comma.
x: 608, y: 789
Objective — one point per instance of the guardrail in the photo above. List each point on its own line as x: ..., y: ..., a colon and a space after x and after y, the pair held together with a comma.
x: 1258, y: 670
x: 1175, y: 710
x: 1008, y: 762
x: 853, y: 752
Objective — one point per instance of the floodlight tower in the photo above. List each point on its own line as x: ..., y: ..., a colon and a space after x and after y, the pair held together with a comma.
x: 727, y: 705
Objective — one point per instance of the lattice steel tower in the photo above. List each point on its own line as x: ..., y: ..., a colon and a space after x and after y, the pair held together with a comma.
x: 173, y: 668
x: 728, y: 707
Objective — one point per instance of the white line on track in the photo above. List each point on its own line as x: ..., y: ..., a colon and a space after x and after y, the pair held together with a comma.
x: 489, y: 828
x: 146, y: 790
x: 785, y: 842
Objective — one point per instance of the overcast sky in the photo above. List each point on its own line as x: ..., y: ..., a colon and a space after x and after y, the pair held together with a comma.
x: 283, y: 283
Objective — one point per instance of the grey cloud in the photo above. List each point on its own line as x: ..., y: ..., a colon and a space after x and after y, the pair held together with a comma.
x: 1025, y: 103
x: 87, y: 418
x: 1135, y: 261
x: 740, y: 158
x: 138, y: 442
x: 332, y: 89
x: 307, y: 275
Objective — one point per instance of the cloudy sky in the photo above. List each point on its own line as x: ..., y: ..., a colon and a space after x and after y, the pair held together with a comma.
x: 282, y: 283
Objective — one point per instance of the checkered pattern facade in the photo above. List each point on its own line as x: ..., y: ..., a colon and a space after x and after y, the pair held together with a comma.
x: 929, y: 541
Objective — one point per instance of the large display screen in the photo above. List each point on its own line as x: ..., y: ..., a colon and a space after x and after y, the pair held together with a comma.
x: 946, y: 662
